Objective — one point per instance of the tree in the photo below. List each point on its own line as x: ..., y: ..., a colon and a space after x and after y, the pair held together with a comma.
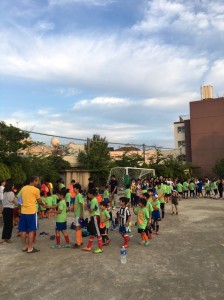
x: 4, y: 172
x: 133, y: 160
x: 12, y: 139
x: 96, y: 156
x: 219, y: 168
x: 17, y: 173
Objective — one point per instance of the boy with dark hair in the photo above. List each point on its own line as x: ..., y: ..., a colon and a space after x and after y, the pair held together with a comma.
x: 124, y: 219
x: 78, y: 214
x: 142, y: 220
x: 174, y: 199
x: 61, y: 221
x: 94, y: 224
x: 104, y: 222
x: 161, y: 194
x: 128, y: 192
x: 148, y: 198
x: 156, y: 213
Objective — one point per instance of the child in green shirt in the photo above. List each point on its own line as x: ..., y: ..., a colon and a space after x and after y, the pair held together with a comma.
x: 142, y: 220
x: 156, y: 213
x: 104, y: 223
x: 79, y: 214
x: 106, y: 194
x: 61, y: 221
x: 192, y: 189
x: 68, y: 199
x: 128, y: 192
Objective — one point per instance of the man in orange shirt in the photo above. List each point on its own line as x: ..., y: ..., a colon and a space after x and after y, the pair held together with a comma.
x: 72, y: 192
x: 30, y: 194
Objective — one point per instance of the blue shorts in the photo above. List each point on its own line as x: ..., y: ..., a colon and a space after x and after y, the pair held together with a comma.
x: 60, y: 226
x: 122, y: 229
x: 106, y: 200
x: 156, y: 215
x: 27, y: 223
x: 72, y: 201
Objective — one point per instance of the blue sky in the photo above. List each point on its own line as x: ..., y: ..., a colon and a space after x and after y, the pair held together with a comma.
x: 125, y: 69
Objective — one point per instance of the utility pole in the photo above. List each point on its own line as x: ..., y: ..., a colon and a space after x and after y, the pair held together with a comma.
x: 143, y: 150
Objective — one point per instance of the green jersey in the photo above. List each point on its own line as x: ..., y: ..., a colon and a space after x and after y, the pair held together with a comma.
x: 94, y: 206
x: 142, y: 217
x: 78, y: 206
x: 103, y: 216
x: 156, y: 204
x: 185, y: 186
x: 169, y: 189
x: 179, y: 187
x: 192, y: 186
x: 214, y: 185
x: 149, y: 207
x: 207, y: 186
x: 42, y: 207
x: 161, y: 194
x: 62, y: 217
x: 49, y: 201
x: 55, y: 198
x: 68, y: 197
x: 128, y: 193
x: 106, y: 194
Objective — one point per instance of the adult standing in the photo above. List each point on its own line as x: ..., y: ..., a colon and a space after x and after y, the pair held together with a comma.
x: 8, y: 204
x: 113, y: 190
x: 28, y: 218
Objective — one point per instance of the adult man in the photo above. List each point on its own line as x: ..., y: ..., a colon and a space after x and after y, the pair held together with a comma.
x: 28, y: 218
x: 113, y: 190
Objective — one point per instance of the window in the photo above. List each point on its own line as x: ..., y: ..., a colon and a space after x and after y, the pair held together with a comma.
x: 181, y: 129
x: 181, y: 144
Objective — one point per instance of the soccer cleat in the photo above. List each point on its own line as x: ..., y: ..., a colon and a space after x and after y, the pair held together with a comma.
x: 142, y: 243
x: 86, y: 249
x: 146, y: 243
x: 56, y: 246
x: 107, y: 242
x: 98, y: 251
x: 67, y: 246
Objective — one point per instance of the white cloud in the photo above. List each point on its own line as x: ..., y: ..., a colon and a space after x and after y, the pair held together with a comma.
x: 44, y: 26
x: 104, y: 102
x: 67, y: 92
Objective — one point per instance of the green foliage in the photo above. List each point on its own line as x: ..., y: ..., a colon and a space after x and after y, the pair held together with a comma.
x: 219, y: 168
x: 17, y: 173
x: 96, y: 156
x: 133, y: 160
x: 12, y: 139
x: 4, y: 172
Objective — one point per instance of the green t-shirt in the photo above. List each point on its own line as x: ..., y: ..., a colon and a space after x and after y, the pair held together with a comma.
x: 214, y: 185
x: 68, y: 197
x: 128, y: 193
x: 149, y: 207
x: 142, y: 217
x: 79, y: 202
x: 207, y: 186
x: 185, y: 186
x: 103, y: 216
x: 62, y: 217
x: 94, y: 206
x: 179, y: 187
x: 42, y: 207
x: 169, y: 189
x: 106, y: 194
x: 192, y: 186
x: 49, y: 201
x: 61, y: 186
x: 160, y: 192
x: 156, y: 204
x: 55, y: 198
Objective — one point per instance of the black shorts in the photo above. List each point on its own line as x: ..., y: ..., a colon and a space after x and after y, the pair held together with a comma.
x: 67, y: 204
x: 168, y: 195
x: 142, y: 230
x: 103, y: 231
x: 94, y: 226
x: 175, y: 202
x: 215, y: 191
x: 180, y: 193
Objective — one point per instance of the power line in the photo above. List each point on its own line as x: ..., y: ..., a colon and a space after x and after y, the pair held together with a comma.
x: 85, y: 140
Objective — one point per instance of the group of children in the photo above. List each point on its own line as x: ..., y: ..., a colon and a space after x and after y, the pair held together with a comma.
x: 147, y: 208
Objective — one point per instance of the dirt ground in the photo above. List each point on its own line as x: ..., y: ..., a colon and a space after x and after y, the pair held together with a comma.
x: 186, y: 261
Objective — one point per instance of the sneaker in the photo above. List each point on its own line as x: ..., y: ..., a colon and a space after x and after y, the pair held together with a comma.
x: 146, y: 243
x: 86, y: 249
x: 107, y: 242
x: 77, y: 246
x: 172, y: 213
x: 67, y: 246
x: 98, y: 251
x: 56, y: 246
x: 42, y: 233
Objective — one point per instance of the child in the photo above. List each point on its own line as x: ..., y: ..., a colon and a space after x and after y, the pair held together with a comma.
x: 94, y: 223
x: 142, y: 220
x: 61, y: 221
x: 160, y: 192
x: 104, y: 223
x: 128, y: 192
x: 124, y: 219
x: 174, y: 199
x: 42, y: 208
x: 155, y: 213
x: 207, y: 189
x: 185, y: 189
x: 67, y: 199
x: 192, y: 189
x: 106, y: 194
x: 78, y: 213
x: 148, y: 198
x: 49, y: 203
x: 169, y: 189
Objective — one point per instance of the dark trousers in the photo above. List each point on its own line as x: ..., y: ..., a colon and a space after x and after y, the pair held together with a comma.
x: 162, y: 207
x: 220, y: 193
x: 8, y: 223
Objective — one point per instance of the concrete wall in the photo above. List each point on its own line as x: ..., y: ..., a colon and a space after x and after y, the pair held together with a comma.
x: 179, y: 136
x: 207, y: 133
x: 80, y: 176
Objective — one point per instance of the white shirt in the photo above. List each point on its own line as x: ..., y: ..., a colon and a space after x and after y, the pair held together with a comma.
x: 1, y: 192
